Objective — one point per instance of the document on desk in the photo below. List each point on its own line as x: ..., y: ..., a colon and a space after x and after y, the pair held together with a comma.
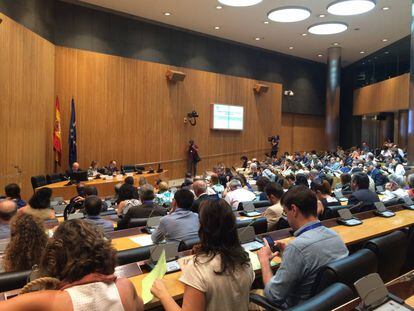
x: 142, y: 240
x: 255, y: 261
x: 157, y: 273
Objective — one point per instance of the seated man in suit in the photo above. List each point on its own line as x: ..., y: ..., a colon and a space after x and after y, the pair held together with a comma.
x: 75, y: 168
x: 361, y: 193
x: 111, y: 168
x: 314, y: 246
x: 181, y: 224
x: 200, y: 191
x: 147, y: 209
x: 93, y: 207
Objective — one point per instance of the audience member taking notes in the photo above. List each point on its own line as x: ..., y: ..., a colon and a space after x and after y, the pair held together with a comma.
x: 219, y: 276
x: 314, y: 246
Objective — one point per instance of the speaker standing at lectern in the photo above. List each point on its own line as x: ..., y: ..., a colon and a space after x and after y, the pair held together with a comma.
x: 193, y: 158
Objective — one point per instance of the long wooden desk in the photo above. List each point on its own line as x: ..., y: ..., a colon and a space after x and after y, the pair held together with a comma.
x: 371, y: 228
x: 106, y: 187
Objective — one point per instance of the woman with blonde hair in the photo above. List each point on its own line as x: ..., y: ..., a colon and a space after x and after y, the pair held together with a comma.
x: 27, y: 241
x: 78, y: 263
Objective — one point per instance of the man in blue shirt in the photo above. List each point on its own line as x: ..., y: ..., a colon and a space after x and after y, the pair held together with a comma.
x: 313, y: 247
x: 181, y: 224
x: 8, y: 209
x: 93, y: 207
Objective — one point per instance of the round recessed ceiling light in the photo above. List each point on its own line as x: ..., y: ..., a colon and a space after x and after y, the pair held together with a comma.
x: 289, y: 14
x: 351, y: 7
x: 167, y: 13
x: 219, y: 7
x: 362, y: 52
x: 327, y: 28
x: 266, y: 22
x: 385, y: 40
x: 217, y: 27
x: 320, y: 55
x: 335, y: 43
x: 304, y: 34
x: 385, y: 8
x: 257, y: 38
x: 290, y: 47
x: 322, y: 15
x: 240, y: 2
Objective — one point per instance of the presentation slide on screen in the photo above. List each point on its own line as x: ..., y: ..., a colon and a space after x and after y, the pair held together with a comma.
x: 227, y: 117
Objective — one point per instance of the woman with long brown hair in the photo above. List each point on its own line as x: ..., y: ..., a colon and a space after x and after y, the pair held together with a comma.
x: 27, y: 241
x: 219, y: 276
x: 78, y: 263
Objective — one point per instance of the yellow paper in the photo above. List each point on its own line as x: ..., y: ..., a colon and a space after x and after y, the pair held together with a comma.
x: 157, y: 273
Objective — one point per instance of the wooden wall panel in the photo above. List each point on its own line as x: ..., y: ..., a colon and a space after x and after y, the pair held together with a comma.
x: 302, y: 133
x: 26, y: 103
x: 126, y: 110
x: 388, y: 95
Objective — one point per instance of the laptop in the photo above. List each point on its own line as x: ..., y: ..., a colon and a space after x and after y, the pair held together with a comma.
x: 249, y: 210
x: 340, y: 196
x: 382, y: 210
x: 152, y: 224
x: 171, y: 256
x: 248, y: 239
x: 409, y: 204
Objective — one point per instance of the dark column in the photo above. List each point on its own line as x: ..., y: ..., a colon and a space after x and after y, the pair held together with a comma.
x: 333, y: 91
x: 410, y: 132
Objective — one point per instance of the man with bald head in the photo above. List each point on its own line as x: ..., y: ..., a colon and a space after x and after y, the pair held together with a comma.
x: 200, y: 191
x: 8, y: 209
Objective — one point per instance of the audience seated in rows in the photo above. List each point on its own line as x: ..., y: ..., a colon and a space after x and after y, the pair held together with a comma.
x: 200, y: 192
x: 216, y: 185
x: 220, y: 275
x: 394, y: 188
x: 127, y: 198
x: 261, y: 184
x: 314, y: 246
x: 79, y: 263
x: 8, y: 209
x: 362, y: 193
x: 163, y: 196
x: 27, y: 242
x: 273, y: 213
x: 181, y: 224
x: 237, y: 194
x: 13, y: 193
x: 410, y: 181
x: 146, y: 209
x: 345, y: 184
x: 93, y: 207
x: 39, y: 205
x: 323, y: 192
x: 76, y: 204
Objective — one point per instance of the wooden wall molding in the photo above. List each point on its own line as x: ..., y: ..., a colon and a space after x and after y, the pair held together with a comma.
x: 384, y: 96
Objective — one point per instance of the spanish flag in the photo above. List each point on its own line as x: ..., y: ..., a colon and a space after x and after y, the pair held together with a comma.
x: 57, y: 134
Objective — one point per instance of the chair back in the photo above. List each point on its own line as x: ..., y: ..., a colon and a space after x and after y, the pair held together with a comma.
x: 188, y: 244
x: 330, y: 298
x: 346, y: 270
x: 13, y: 280
x: 133, y: 255
x: 54, y: 178
x: 391, y: 252
x: 38, y: 181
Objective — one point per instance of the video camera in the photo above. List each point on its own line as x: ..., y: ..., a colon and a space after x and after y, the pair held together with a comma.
x: 273, y: 138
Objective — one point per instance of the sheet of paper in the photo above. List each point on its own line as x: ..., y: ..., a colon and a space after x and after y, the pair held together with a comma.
x: 143, y: 240
x: 255, y: 261
x: 157, y: 273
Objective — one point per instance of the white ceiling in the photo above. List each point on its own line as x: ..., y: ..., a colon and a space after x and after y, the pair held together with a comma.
x: 246, y: 23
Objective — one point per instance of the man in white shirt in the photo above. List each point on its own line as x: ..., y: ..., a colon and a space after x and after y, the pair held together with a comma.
x: 238, y: 194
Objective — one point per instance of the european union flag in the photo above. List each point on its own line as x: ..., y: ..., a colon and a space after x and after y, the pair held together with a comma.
x: 73, y: 153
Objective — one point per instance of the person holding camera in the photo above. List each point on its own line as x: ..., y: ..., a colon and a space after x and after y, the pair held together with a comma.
x: 193, y: 158
x: 274, y: 140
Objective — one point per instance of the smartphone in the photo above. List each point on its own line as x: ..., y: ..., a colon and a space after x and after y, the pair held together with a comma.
x: 271, y: 242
